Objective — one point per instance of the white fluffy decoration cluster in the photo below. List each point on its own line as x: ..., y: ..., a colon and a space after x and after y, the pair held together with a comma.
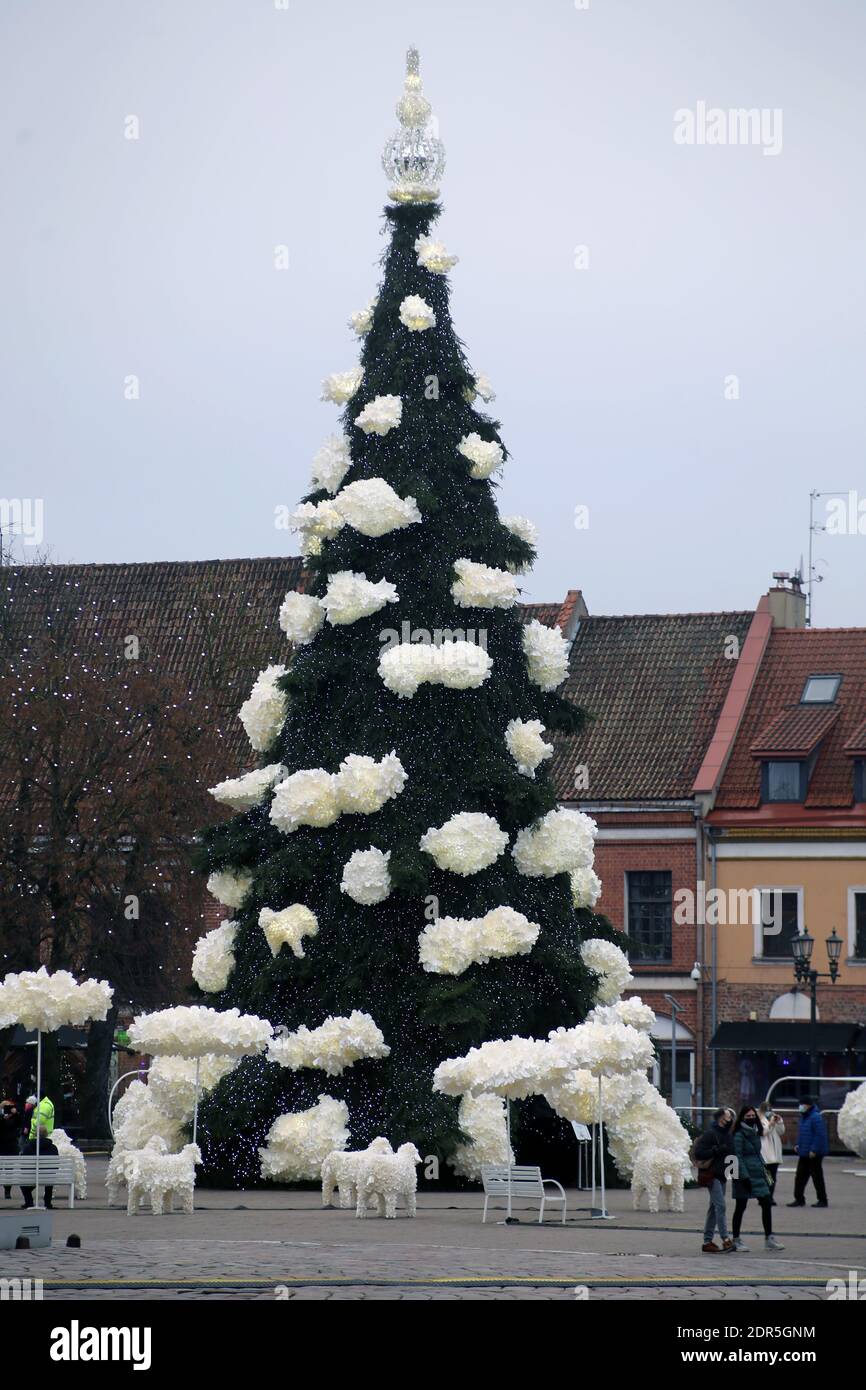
x: 340, y: 387
x: 485, y: 455
x: 601, y: 1048
x: 263, y: 713
x: 509, y: 1067
x: 66, y: 1149
x: 332, y: 462
x: 647, y: 1123
x: 366, y: 879
x: 316, y: 797
x: 468, y: 842
x: 289, y: 926
x: 229, y: 888
x: 483, y: 1119
x: 546, y: 653
x: 632, y: 1011
x: 386, y: 1177
x: 301, y: 616
x: 362, y: 320
x: 350, y: 596
x: 522, y: 527
x: 432, y: 255
x: 297, y: 1144
x: 562, y: 840
x: 380, y: 415
x: 372, y: 507
x: 193, y: 1031
x: 484, y: 388
x: 523, y: 739
x: 171, y: 1082
x: 241, y: 793
x: 612, y: 967
x: 585, y: 888
x: 458, y: 665
x: 852, y: 1121
x: 37, y: 999
x: 482, y: 586
x: 656, y: 1170
x: 137, y: 1121
x: 316, y: 522
x: 337, y: 1043
x: 213, y: 959
x: 416, y: 314
x: 450, y: 945
x: 574, y: 1094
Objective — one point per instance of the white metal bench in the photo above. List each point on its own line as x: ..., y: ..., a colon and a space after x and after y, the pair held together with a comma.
x: 20, y: 1170
x: 524, y: 1183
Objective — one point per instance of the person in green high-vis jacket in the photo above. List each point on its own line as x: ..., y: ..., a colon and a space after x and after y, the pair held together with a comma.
x: 42, y: 1114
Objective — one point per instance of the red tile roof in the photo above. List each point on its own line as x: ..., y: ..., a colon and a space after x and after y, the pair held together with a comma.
x: 795, y: 732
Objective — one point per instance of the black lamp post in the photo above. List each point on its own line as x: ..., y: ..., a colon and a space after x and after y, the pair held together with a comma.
x: 802, y: 946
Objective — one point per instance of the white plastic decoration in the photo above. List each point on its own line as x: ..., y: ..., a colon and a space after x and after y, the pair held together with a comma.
x: 37, y: 999
x: 632, y: 1011
x: 484, y: 388
x: 372, y: 507
x: 602, y: 1048
x: 852, y: 1121
x: 483, y: 1119
x: 482, y: 586
x: 263, y: 713
x: 301, y: 617
x: 467, y: 843
x: 585, y: 888
x: 350, y: 596
x: 458, y: 665
x: 193, y: 1031
x: 562, y: 840
x: 416, y: 314
x: 523, y: 739
x: 611, y: 964
x: 485, y: 455
x: 362, y: 320
x: 332, y: 462
x: 380, y: 415
x: 522, y: 527
x: 338, y: 1043
x: 288, y: 927
x: 316, y: 522
x: 171, y: 1082
x: 297, y: 1144
x: 508, y: 1067
x: 241, y: 793
x: 213, y: 959
x: 546, y: 654
x: 364, y: 785
x: 308, y: 797
x: 340, y: 387
x: 365, y: 877
x: 229, y: 888
x: 450, y: 945
x: 431, y: 255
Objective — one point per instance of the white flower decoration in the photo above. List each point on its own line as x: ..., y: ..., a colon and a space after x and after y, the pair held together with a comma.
x: 546, y: 655
x: 362, y: 321
x: 562, y: 840
x: 523, y: 738
x: 483, y: 1119
x: 416, y: 314
x: 467, y: 843
x: 350, y: 596
x: 193, y: 1031
x: 171, y: 1083
x: 288, y: 927
x: 482, y: 586
x: 380, y: 415
x: 229, y: 888
x: 37, y: 999
x: 852, y: 1121
x: 366, y: 879
x: 521, y: 526
x: 301, y: 616
x: 632, y: 1011
x: 485, y: 455
x: 585, y: 888
x: 316, y: 522
x: 297, y: 1144
x: 332, y: 462
x: 308, y: 797
x: 364, y: 785
x: 340, y: 387
x: 263, y: 713
x: 601, y: 1048
x: 338, y: 1043
x: 458, y: 665
x: 241, y: 793
x: 450, y: 945
x: 611, y: 964
x: 213, y: 959
x: 372, y: 507
x: 510, y: 1067
x: 431, y: 255
x: 484, y: 388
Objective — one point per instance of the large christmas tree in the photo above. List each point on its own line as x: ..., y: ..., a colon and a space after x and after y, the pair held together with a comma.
x: 398, y: 867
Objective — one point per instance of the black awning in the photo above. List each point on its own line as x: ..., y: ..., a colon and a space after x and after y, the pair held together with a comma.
x: 66, y: 1037
x: 784, y: 1037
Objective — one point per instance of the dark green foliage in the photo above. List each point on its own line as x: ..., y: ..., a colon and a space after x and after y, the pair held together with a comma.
x: 451, y: 744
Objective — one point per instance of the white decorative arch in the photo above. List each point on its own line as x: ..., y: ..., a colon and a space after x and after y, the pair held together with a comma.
x: 792, y: 1006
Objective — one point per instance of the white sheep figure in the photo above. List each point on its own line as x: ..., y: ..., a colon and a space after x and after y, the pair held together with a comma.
x: 119, y: 1164
x: 66, y: 1149
x: 659, y: 1171
x: 162, y: 1178
x: 386, y: 1177
x: 340, y: 1170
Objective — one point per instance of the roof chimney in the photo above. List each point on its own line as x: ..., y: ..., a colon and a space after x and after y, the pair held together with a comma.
x: 786, y: 600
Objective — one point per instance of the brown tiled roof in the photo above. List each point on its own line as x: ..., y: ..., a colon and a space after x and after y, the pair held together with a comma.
x: 655, y: 684
x: 796, y: 731
x: 547, y: 613
x: 794, y: 654
x: 856, y: 745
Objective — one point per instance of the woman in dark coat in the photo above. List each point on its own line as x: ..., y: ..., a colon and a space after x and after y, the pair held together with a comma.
x: 752, y: 1178
x: 9, y: 1127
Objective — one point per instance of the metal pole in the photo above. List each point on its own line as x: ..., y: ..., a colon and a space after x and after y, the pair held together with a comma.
x: 37, y: 1202
x: 195, y: 1112
x: 714, y: 991
x: 601, y: 1147
x: 813, y: 1058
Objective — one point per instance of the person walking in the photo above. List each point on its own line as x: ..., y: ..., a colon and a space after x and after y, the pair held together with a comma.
x: 773, y: 1130
x: 41, y: 1115
x: 46, y: 1147
x: 8, y: 1132
x: 752, y: 1179
x: 812, y: 1145
x: 710, y: 1154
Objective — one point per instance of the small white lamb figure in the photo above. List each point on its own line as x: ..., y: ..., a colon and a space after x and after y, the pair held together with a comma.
x: 66, y: 1149
x: 655, y: 1171
x: 341, y: 1169
x: 162, y: 1177
x: 119, y: 1163
x: 386, y: 1177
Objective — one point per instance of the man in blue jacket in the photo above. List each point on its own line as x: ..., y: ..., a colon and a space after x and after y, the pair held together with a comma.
x: 811, y: 1147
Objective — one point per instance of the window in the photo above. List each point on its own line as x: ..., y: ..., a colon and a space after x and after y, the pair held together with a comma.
x: 779, y: 922
x: 820, y: 690
x: 650, y: 914
x: 857, y: 923
x: 784, y: 781
x: 860, y: 779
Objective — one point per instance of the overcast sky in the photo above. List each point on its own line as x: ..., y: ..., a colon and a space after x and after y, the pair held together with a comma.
x: 261, y: 125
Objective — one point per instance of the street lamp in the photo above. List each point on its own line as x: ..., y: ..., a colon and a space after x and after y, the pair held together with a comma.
x: 676, y: 1009
x: 802, y: 947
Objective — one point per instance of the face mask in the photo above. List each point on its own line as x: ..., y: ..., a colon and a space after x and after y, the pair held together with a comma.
x: 803, y: 1109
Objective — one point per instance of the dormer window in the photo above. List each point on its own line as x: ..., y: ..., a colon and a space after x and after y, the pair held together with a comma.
x: 820, y: 690
x: 784, y: 780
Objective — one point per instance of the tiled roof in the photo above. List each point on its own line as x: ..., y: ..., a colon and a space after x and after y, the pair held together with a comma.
x: 796, y: 731
x: 793, y: 654
x: 856, y: 745
x: 547, y: 613
x: 655, y: 684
